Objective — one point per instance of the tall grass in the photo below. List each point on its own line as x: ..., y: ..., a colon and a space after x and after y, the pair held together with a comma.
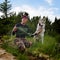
x: 46, y: 47
x: 49, y: 47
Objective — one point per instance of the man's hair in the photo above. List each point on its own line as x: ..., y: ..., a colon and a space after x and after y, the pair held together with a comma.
x: 25, y: 14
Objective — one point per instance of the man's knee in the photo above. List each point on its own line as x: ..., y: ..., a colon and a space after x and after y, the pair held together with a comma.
x: 28, y: 44
x: 21, y: 47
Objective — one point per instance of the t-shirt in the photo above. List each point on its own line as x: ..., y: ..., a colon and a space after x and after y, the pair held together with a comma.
x: 22, y: 30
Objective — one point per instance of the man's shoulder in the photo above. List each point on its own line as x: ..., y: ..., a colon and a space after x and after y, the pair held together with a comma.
x: 18, y: 24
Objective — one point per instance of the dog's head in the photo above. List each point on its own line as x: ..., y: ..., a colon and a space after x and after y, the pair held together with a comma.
x: 42, y: 21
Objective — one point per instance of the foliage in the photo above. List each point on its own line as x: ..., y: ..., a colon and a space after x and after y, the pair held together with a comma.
x: 6, y: 26
x: 22, y: 57
x: 47, y: 26
x: 49, y: 47
x: 56, y: 25
x: 51, y: 44
x: 58, y: 38
x: 5, y: 7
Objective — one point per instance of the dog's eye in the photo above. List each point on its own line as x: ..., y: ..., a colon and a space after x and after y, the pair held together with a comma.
x: 39, y: 24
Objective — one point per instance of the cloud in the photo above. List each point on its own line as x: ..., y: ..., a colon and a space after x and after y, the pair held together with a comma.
x: 49, y: 2
x: 1, y: 14
x: 41, y: 11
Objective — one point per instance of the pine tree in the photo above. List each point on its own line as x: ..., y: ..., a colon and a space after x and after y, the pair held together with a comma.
x: 5, y: 8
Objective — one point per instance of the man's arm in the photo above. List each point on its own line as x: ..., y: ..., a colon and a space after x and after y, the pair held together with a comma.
x: 37, y: 31
x: 14, y: 30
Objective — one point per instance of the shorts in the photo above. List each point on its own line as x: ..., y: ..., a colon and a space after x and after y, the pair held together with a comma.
x: 22, y: 42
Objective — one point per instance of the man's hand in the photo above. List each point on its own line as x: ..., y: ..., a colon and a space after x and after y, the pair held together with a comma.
x: 15, y: 29
x: 13, y: 33
x: 33, y: 35
x: 36, y: 34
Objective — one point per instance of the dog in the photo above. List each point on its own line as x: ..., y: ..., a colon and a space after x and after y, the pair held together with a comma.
x: 39, y: 33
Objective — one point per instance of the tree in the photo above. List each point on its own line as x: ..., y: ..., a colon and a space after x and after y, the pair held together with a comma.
x: 5, y: 8
x: 34, y: 22
x: 5, y: 23
x: 48, y: 26
x: 56, y: 25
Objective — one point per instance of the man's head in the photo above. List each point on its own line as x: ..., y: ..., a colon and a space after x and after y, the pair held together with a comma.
x: 25, y: 18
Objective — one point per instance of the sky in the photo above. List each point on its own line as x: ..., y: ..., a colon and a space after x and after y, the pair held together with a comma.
x: 50, y: 8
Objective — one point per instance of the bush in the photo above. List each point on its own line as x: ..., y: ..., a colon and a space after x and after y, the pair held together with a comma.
x: 5, y: 37
x: 58, y: 38
x: 52, y: 33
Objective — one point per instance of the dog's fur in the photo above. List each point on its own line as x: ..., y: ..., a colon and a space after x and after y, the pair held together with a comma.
x: 39, y: 33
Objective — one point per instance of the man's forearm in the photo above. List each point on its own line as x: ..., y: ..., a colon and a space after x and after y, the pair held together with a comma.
x: 13, y: 32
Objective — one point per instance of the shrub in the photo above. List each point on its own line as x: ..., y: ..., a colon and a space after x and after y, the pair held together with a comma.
x: 58, y: 38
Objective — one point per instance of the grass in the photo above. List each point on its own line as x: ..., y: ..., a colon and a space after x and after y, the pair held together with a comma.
x: 48, y: 47
x: 14, y: 51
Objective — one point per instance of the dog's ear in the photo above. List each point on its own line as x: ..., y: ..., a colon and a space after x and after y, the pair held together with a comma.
x: 39, y: 20
x: 44, y: 20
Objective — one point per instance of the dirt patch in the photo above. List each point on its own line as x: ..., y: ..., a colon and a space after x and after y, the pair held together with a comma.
x: 1, y: 41
x: 6, y: 56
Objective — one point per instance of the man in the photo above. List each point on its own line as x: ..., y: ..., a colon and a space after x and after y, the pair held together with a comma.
x: 21, y: 30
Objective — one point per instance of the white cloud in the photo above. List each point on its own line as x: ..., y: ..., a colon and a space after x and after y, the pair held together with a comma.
x: 41, y: 11
x: 49, y: 1
x: 1, y: 14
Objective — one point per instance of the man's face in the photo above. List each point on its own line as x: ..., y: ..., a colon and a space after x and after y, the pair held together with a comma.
x: 24, y: 20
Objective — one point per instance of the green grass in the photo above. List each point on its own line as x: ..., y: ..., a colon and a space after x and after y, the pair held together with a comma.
x: 14, y: 51
x: 48, y: 47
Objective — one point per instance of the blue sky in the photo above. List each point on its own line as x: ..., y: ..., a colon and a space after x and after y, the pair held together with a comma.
x: 50, y: 8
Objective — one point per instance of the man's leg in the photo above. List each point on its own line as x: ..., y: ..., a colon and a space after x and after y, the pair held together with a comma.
x: 20, y: 44
x: 27, y: 43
